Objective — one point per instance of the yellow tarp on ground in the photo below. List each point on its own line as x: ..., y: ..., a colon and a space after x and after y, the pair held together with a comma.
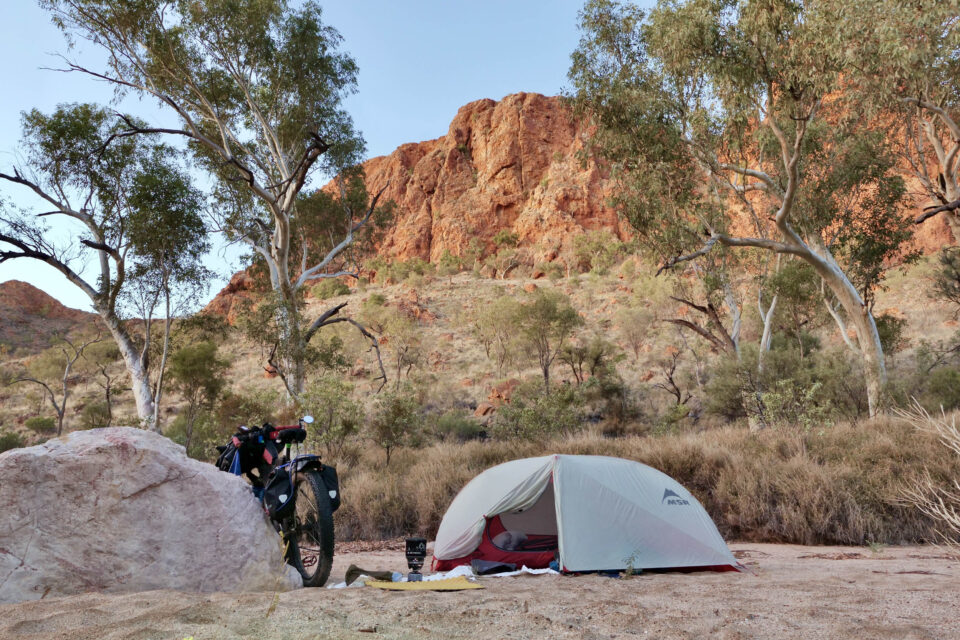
x: 450, y: 584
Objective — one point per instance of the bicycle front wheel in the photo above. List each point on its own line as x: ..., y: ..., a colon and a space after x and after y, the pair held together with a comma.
x: 310, y: 536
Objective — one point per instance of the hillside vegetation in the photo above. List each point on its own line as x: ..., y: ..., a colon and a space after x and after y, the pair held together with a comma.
x: 464, y: 392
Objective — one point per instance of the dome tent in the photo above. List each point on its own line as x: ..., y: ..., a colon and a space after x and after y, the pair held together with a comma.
x: 595, y: 513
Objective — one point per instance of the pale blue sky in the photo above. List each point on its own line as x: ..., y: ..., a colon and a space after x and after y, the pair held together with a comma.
x: 419, y: 62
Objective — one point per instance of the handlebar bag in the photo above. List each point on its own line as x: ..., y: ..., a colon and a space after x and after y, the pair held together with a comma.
x: 285, y: 436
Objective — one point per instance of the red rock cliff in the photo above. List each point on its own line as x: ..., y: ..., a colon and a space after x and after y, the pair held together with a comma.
x: 502, y: 165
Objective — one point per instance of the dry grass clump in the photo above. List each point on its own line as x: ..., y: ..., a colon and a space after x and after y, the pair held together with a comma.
x: 842, y: 485
x: 931, y: 496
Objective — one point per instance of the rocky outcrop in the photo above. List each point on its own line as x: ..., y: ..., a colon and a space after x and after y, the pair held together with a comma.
x: 229, y: 300
x: 507, y: 165
x: 121, y: 509
x: 30, y: 319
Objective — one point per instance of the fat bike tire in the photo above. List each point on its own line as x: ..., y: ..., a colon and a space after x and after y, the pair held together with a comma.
x: 310, y: 533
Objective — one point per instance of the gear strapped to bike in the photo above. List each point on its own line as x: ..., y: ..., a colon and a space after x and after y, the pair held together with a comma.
x: 299, y: 493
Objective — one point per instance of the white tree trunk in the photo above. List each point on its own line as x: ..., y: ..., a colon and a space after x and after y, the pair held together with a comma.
x: 139, y: 381
x: 868, y: 338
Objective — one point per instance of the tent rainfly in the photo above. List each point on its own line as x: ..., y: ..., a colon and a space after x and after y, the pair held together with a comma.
x: 591, y: 513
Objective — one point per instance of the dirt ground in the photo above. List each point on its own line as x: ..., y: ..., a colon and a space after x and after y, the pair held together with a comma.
x: 789, y: 592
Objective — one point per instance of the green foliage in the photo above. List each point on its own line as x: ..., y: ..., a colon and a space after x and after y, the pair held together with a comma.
x: 329, y: 288
x: 891, y: 330
x: 285, y: 61
x: 209, y: 327
x: 10, y: 440
x: 504, y: 261
x: 542, y: 325
x: 375, y: 300
x: 943, y: 389
x: 595, y: 357
x: 457, y: 425
x: 596, y: 251
x: 946, y: 279
x: 713, y: 113
x: 506, y: 239
x: 534, y: 414
x: 635, y: 325
x: 395, y: 421
x: 491, y: 325
x: 248, y: 408
x: 404, y: 342
x: 338, y: 416
x: 40, y: 424
x: 197, y: 373
x: 790, y: 405
x: 449, y: 264
x: 95, y: 415
x: 804, y: 388
x: 200, y: 438
x: 399, y: 270
x: 166, y: 233
x: 279, y: 327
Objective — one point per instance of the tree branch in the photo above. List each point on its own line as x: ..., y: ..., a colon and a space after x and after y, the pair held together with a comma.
x: 929, y: 212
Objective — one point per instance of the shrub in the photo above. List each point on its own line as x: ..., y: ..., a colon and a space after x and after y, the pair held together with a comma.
x: 596, y: 250
x: 817, y: 388
x: 207, y: 433
x: 249, y: 408
x: 946, y: 280
x: 457, y: 425
x: 329, y: 288
x: 449, y: 264
x: 337, y: 415
x: 10, y: 440
x: 943, y: 389
x: 395, y: 422
x: 535, y: 415
x: 790, y: 405
x: 375, y: 300
x: 40, y: 424
x: 95, y: 415
x: 506, y: 239
x: 891, y: 330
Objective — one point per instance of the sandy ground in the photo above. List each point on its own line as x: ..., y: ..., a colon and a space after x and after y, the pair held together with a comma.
x: 790, y: 592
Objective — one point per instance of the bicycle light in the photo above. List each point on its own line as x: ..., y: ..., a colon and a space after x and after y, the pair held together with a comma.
x: 416, y: 554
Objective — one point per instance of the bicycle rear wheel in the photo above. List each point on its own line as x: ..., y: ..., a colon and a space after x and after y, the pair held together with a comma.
x: 310, y: 536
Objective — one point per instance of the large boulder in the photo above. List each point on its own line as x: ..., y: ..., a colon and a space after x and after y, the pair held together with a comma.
x: 123, y: 509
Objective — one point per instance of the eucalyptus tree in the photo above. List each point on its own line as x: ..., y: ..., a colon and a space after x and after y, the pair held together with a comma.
x: 257, y: 88
x: 167, y: 238
x: 82, y: 172
x: 717, y: 119
x: 902, y: 62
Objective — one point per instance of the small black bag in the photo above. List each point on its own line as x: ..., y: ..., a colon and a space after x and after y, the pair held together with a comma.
x: 329, y: 476
x: 278, y: 495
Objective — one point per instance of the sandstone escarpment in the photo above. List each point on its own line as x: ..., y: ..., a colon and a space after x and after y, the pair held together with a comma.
x: 507, y: 165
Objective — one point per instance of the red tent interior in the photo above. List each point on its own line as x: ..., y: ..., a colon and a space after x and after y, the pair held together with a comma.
x: 535, y: 547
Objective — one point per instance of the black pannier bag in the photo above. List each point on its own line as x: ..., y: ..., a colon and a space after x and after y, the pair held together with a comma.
x: 227, y: 454
x: 329, y: 476
x: 278, y: 495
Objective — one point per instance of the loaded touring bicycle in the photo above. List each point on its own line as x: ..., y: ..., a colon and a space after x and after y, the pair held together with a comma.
x: 298, y: 492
